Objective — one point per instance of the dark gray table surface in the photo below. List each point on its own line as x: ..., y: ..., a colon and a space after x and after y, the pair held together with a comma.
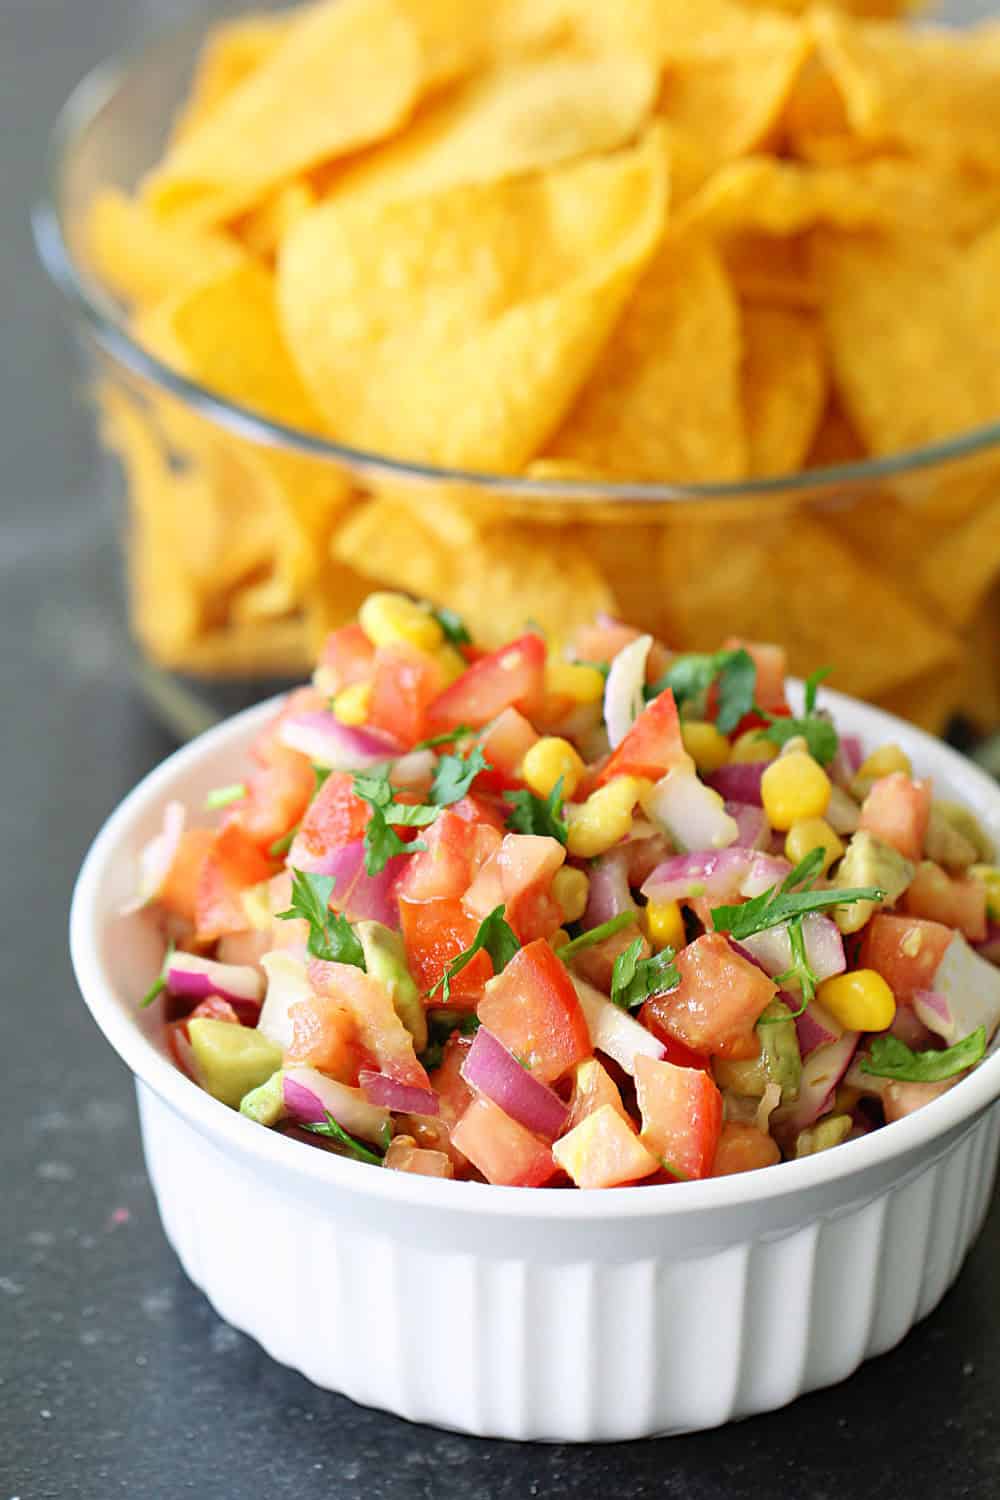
x: 116, y: 1377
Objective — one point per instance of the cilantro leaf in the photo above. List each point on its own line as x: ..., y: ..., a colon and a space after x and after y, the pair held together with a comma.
x: 596, y: 934
x: 222, y: 796
x: 454, y: 774
x: 381, y: 842
x: 891, y: 1058
x: 494, y: 937
x: 689, y: 677
x: 801, y: 971
x: 531, y: 814
x: 335, y: 1132
x: 159, y: 984
x: 441, y: 1027
x: 777, y: 905
x: 455, y: 629
x: 817, y: 731
x: 447, y: 738
x: 634, y: 979
x: 331, y: 935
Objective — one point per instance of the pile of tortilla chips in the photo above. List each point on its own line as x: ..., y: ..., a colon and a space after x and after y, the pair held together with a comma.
x: 660, y: 241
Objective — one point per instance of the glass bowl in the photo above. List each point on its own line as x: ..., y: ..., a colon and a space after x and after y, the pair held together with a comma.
x: 234, y: 526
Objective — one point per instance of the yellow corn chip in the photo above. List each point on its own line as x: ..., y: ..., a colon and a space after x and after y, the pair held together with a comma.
x: 784, y: 387
x: 664, y: 399
x: 142, y: 260
x: 836, y: 442
x: 264, y: 227
x: 516, y: 119
x: 456, y: 328
x: 776, y: 271
x: 230, y: 53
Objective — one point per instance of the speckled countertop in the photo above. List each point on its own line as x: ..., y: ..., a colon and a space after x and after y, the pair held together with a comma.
x: 115, y: 1375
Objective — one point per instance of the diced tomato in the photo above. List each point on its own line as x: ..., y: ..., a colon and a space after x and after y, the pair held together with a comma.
x: 593, y: 1087
x: 335, y: 817
x: 906, y: 951
x: 772, y: 667
x: 474, y: 809
x: 743, y: 1148
x: 325, y: 1035
x: 901, y: 1099
x: 596, y: 963
x: 232, y: 865
x: 957, y: 902
x: 604, y: 1151
x: 405, y: 683
x: 435, y: 933
x: 896, y: 811
x: 519, y: 877
x: 718, y: 1000
x: 681, y: 1115
x: 267, y: 747
x: 602, y: 641
x: 652, y: 745
x: 244, y: 947
x: 501, y: 1148
x: 179, y: 892
x: 757, y: 721
x: 380, y: 1031
x: 214, y: 1008
x: 456, y: 851
x: 453, y: 1092
x: 404, y: 1155
x: 676, y: 1052
x: 347, y: 656
x: 532, y: 1007
x: 505, y: 743
x: 277, y: 796
x: 514, y: 676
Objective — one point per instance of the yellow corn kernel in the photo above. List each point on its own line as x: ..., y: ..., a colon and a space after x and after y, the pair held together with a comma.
x: 809, y: 834
x: 573, y: 679
x: 989, y: 876
x: 883, y: 761
x: 605, y: 817
x: 548, y: 760
x: 571, y: 889
x: 452, y: 661
x: 794, y: 787
x: 351, y: 704
x: 706, y: 746
x: 860, y: 1001
x: 392, y: 619
x: 665, y: 924
x: 256, y: 903
x: 751, y: 747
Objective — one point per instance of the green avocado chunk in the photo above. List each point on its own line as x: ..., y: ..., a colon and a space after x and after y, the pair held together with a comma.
x: 266, y: 1104
x: 824, y: 1134
x: 231, y: 1060
x: 869, y: 861
x: 385, y: 960
x: 780, y: 1047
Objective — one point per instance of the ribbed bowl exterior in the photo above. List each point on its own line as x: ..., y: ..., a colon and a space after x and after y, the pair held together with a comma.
x: 590, y: 1332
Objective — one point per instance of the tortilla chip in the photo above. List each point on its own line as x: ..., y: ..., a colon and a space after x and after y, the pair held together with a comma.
x: 784, y: 387
x: 664, y: 399
x: 230, y: 53
x: 456, y: 328
x: 775, y: 271
x: 264, y: 227
x: 142, y: 260
x: 836, y: 442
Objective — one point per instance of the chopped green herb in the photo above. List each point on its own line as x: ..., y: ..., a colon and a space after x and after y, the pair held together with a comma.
x: 531, y: 814
x: 337, y: 1133
x: 454, y: 627
x: 596, y: 934
x: 780, y: 904
x: 801, y: 971
x: 690, y: 677
x: 381, y: 843
x: 817, y: 731
x: 634, y: 979
x: 331, y: 935
x: 159, y: 984
x: 441, y: 1026
x: 495, y: 937
x: 891, y: 1058
x: 454, y: 775
x: 447, y: 738
x: 222, y: 796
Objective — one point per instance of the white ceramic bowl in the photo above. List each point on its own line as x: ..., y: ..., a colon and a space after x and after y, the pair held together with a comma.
x: 518, y: 1313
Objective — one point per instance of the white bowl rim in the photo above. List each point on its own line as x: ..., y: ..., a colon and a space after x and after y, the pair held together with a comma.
x: 902, y: 1138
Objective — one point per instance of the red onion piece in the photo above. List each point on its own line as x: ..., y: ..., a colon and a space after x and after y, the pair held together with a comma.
x: 310, y: 1096
x: 816, y: 1028
x: 739, y: 781
x: 689, y: 811
x: 156, y: 858
x: 609, y: 889
x: 772, y: 948
x: 715, y: 874
x: 822, y: 1071
x: 847, y: 761
x: 623, y: 691
x: 404, y: 1098
x: 765, y: 871
x: 495, y: 1072
x: 908, y: 1026
x: 933, y: 1010
x: 338, y: 747
x: 196, y: 978
x: 754, y: 831
x: 355, y: 893
x: 613, y: 1030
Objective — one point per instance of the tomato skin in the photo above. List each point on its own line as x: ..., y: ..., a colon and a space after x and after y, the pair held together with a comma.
x: 232, y: 865
x: 676, y: 1052
x: 456, y: 849
x: 519, y: 878
x: 681, y: 1115
x: 652, y: 746
x: 955, y: 902
x: 473, y: 809
x: 325, y: 1036
x: 454, y: 1094
x: 435, y: 933
x: 380, y: 1032
x: 347, y: 656
x: 514, y: 676
x: 277, y: 796
x: 532, y: 1007
x: 335, y: 817
x: 179, y: 892
x: 716, y: 1005
x: 897, y: 810
x: 906, y: 951
x: 505, y: 743
x: 405, y: 683
x: 501, y: 1148
x: 743, y: 1148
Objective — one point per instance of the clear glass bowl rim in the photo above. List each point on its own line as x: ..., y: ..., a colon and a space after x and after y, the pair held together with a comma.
x: 98, y: 314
